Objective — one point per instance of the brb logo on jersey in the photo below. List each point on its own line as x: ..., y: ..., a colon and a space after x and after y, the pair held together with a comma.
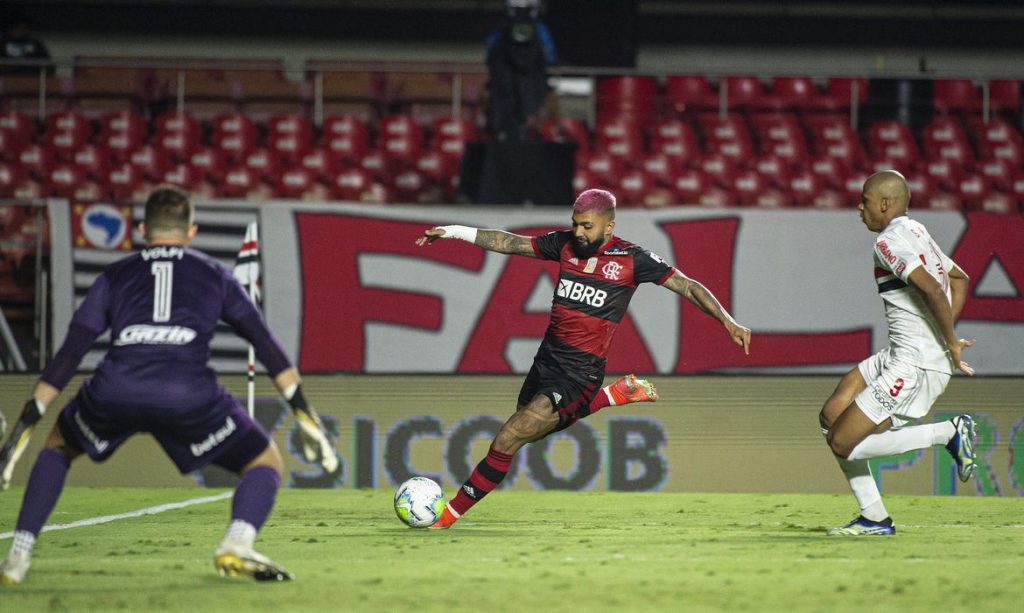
x: 581, y: 293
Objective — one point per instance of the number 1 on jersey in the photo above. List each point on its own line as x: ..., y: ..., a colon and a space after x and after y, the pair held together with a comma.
x: 164, y: 273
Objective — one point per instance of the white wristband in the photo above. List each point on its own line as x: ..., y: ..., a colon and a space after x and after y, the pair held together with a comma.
x: 463, y: 233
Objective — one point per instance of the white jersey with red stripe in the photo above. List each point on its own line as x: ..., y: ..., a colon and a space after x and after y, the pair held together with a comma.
x: 914, y: 335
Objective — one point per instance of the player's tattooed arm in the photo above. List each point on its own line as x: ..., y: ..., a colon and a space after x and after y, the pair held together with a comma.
x: 505, y: 242
x: 703, y: 299
x: 498, y: 241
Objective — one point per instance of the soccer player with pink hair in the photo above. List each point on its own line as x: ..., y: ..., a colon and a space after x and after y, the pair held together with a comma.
x: 598, y: 273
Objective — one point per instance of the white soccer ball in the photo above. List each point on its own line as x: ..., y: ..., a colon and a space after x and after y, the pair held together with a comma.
x: 419, y: 502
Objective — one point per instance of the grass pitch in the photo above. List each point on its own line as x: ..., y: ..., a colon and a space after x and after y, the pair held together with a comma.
x: 522, y: 551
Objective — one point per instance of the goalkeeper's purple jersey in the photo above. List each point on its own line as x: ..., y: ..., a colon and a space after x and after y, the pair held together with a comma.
x: 161, y: 306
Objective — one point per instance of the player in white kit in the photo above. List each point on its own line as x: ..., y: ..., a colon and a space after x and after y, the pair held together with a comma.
x: 923, y: 291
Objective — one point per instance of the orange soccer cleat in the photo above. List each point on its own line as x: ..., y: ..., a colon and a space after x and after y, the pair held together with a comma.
x: 629, y: 389
x: 447, y: 519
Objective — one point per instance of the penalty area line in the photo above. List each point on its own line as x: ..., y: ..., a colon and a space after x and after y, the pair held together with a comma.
x: 105, y: 519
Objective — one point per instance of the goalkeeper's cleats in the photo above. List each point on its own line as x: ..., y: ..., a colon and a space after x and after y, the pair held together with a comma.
x: 316, y: 446
x: 630, y: 389
x: 961, y: 446
x: 14, y: 568
x: 865, y: 527
x: 447, y: 519
x: 236, y: 560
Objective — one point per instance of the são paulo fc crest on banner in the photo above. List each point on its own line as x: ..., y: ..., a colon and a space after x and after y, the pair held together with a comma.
x: 102, y: 226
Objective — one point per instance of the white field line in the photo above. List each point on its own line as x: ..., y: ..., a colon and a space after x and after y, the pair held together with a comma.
x: 104, y: 519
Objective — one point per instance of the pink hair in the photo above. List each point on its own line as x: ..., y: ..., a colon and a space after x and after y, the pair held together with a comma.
x: 597, y: 200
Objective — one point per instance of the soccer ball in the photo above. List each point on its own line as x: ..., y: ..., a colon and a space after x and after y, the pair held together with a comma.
x: 419, y: 502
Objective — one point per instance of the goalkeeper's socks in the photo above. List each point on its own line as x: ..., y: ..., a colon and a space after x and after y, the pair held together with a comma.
x: 486, y: 476
x: 254, y: 496
x: 45, y: 483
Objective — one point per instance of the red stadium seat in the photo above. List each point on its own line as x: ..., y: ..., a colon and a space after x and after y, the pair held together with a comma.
x: 749, y: 185
x: 690, y: 93
x: 737, y: 150
x: 603, y: 165
x: 435, y: 167
x: 293, y: 125
x: 805, y: 186
x: 682, y: 151
x: 212, y: 162
x: 123, y: 122
x: 10, y: 144
x: 959, y: 153
x: 68, y: 121
x: 290, y: 147
x: 661, y: 168
x: 627, y: 151
x: 295, y: 181
x: 1000, y: 202
x: 690, y: 183
x: 616, y: 129
x: 64, y: 178
x: 346, y: 126
x: 120, y: 144
x: 854, y: 186
x: 401, y: 151
x: 832, y: 170
x: 402, y: 127
x: 64, y: 143
x: 945, y: 172
x: 775, y: 169
x: 179, y: 145
x: 91, y: 191
x: 1001, y: 173
x: 94, y: 160
x: 795, y: 93
x: 631, y: 188
x: 266, y: 162
x: 839, y: 94
x: 29, y: 188
x: 378, y: 165
x: 37, y: 160
x: 973, y: 189
x: 922, y: 186
x: 152, y: 161
x: 123, y: 179
x: 672, y: 130
x: 11, y: 173
x: 236, y: 145
x: 184, y: 176
x: 350, y: 183
x: 717, y: 128
x: 23, y: 128
x: 173, y: 122
x: 1004, y: 96
x: 450, y: 135
x: 829, y: 199
x: 720, y: 168
x: 748, y: 93
x: 1017, y: 189
x: 409, y: 186
x: 323, y: 162
x: 995, y: 132
x: 234, y: 123
x: 1011, y: 151
x: 583, y: 180
x: 956, y: 96
x: 631, y: 96
x: 239, y: 182
x: 347, y: 147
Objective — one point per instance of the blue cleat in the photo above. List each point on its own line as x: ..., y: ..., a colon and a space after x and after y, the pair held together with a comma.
x: 865, y: 527
x: 961, y: 446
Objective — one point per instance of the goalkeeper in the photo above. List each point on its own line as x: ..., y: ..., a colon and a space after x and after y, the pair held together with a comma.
x: 161, y: 306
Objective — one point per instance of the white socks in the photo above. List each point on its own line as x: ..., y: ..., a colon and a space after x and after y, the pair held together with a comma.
x: 865, y: 490
x: 23, y: 543
x: 893, y: 442
x: 241, y: 532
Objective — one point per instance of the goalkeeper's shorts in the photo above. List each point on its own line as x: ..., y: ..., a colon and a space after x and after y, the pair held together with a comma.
x: 221, y: 433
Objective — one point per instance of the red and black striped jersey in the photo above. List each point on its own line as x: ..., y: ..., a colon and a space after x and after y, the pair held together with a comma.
x: 592, y: 294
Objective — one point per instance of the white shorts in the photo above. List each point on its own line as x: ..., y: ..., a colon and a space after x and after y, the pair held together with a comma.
x: 898, y: 390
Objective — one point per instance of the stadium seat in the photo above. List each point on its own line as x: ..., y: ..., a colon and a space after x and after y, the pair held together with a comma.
x: 945, y: 172
x: 450, y: 135
x: 93, y: 159
x: 64, y: 178
x: 289, y: 124
x: 1004, y: 96
x: 748, y: 185
x: 690, y: 183
x: 234, y: 123
x: 435, y: 167
x: 179, y: 145
x: 718, y: 128
x: 346, y: 125
x: 236, y: 145
x: 602, y: 165
x: 805, y: 186
x: 631, y: 187
x: 973, y: 189
x: 922, y: 186
x: 747, y: 93
x: 1017, y: 189
x: 660, y: 168
x: 239, y: 182
x: 37, y: 160
x: 123, y: 179
x: 1011, y: 151
x: 266, y: 162
x: 120, y: 144
x: 295, y: 181
x: 91, y: 191
x: 11, y: 173
x: 956, y: 96
x: 351, y: 183
x: 213, y: 163
x: 672, y: 130
x: 583, y: 180
x: 626, y: 150
x: 68, y: 121
x: 773, y: 168
x: 958, y: 153
x: 401, y: 151
x: 123, y: 122
x: 854, y: 186
x: 839, y: 94
x: 1000, y: 202
x: 29, y: 188
x: 289, y: 146
x: 832, y: 170
x: 323, y: 162
x: 184, y: 176
x: 616, y: 129
x: 795, y: 93
x: 347, y: 147
x: 829, y: 199
x: 173, y: 122
x: 19, y: 124
x: 400, y: 127
x: 378, y: 165
x: 10, y: 144
x: 739, y: 151
x: 627, y: 96
x: 1001, y: 173
x: 683, y: 151
x: 152, y: 161
x: 64, y: 143
x: 720, y: 168
x: 410, y: 187
x: 686, y: 93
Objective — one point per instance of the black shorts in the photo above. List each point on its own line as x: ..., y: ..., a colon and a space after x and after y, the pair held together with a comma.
x: 569, y: 384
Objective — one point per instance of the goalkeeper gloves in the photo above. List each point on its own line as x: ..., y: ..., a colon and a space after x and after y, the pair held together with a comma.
x: 15, y: 445
x: 316, y: 446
